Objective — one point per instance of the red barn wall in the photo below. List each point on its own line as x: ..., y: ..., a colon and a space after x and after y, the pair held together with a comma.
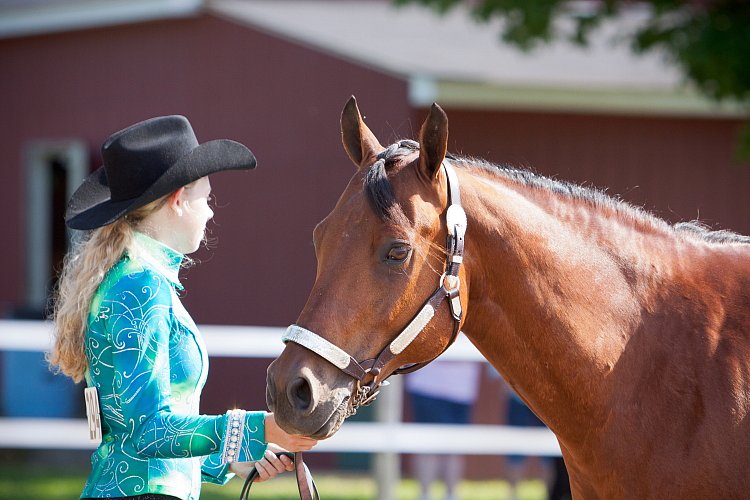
x: 282, y: 100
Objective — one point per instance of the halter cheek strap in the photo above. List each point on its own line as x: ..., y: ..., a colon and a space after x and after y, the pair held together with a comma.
x: 448, y: 288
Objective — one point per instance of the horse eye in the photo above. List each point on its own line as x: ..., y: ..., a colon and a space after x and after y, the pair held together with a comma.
x: 398, y: 253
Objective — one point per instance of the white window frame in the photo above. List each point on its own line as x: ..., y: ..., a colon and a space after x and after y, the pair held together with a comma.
x: 38, y: 226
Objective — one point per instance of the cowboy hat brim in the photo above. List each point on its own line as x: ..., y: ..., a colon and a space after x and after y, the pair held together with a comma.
x: 91, y: 205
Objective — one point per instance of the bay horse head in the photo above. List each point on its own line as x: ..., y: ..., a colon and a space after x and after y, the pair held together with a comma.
x: 387, y: 295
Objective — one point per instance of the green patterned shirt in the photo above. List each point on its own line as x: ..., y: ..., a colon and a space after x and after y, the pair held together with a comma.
x: 149, y: 363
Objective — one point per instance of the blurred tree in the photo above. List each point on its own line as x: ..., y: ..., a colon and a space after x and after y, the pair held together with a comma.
x: 709, y: 40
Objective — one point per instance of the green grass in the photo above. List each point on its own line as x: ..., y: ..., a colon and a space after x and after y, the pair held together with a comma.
x: 37, y: 483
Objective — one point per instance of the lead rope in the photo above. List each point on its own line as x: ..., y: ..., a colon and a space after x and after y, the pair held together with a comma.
x: 305, y: 482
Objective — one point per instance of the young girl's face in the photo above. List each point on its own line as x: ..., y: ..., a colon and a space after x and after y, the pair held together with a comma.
x: 191, y: 225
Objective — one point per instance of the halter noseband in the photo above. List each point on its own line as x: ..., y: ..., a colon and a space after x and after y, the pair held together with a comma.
x: 449, y: 287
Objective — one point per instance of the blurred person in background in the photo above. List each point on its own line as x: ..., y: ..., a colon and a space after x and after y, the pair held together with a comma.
x: 120, y: 326
x: 443, y: 392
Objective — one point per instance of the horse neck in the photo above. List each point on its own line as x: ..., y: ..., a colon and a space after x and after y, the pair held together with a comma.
x: 555, y: 292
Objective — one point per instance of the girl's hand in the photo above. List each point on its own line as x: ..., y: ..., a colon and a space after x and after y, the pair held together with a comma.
x: 291, y: 442
x: 268, y: 467
x: 241, y: 469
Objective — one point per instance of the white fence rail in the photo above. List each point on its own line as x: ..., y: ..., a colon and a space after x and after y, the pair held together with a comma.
x: 356, y: 437
x: 221, y: 340
x: 387, y: 437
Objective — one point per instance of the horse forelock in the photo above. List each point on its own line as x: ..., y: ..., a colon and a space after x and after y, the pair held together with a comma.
x: 378, y: 187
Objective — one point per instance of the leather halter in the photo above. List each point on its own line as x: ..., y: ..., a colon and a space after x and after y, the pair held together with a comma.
x: 448, y: 287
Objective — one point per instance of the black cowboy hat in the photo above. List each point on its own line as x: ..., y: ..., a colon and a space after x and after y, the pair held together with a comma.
x: 146, y: 161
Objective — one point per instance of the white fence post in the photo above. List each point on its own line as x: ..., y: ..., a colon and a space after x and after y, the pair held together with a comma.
x: 387, y: 466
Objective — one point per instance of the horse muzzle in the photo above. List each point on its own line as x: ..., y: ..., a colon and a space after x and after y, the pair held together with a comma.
x: 303, y: 402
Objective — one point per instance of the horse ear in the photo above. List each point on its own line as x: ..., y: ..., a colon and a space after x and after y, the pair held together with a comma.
x: 359, y: 142
x: 433, y: 141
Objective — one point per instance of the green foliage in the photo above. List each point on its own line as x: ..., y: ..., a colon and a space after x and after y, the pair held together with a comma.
x: 709, y: 40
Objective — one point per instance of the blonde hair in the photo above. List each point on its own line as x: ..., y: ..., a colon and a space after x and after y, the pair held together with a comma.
x: 84, y: 268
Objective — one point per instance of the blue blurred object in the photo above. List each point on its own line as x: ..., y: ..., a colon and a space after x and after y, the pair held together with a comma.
x: 30, y: 389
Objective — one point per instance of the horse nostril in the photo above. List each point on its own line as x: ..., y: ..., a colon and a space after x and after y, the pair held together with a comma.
x: 299, y: 394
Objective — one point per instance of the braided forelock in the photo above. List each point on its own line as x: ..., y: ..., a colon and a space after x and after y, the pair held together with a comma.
x: 379, y: 189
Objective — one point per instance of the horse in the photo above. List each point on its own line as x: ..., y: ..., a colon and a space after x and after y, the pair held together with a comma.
x: 628, y: 336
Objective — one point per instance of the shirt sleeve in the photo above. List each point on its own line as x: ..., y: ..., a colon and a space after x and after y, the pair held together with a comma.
x: 140, y: 324
x: 215, y: 470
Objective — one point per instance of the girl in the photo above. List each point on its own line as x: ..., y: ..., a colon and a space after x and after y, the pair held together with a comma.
x: 119, y: 323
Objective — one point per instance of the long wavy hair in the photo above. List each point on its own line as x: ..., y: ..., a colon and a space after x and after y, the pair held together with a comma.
x: 84, y: 268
